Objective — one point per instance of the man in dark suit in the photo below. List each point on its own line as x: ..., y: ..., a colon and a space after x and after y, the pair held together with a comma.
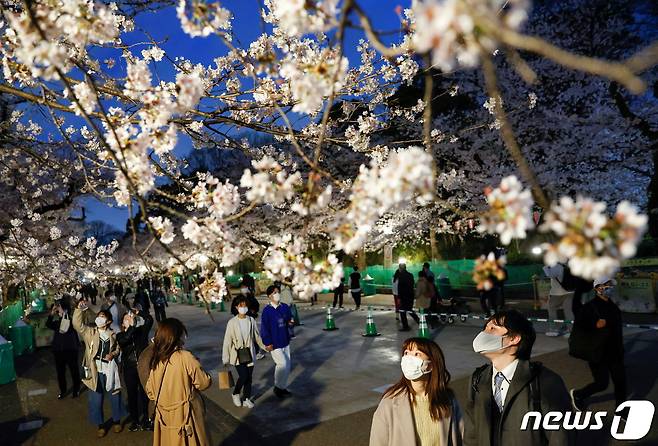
x: 503, y: 391
x: 406, y: 296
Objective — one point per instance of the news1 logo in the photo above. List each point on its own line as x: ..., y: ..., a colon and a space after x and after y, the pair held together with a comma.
x: 638, y: 420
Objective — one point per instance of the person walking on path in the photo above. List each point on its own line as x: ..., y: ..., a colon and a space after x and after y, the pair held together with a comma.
x: 133, y: 339
x: 396, y: 294
x: 355, y: 287
x: 239, y: 349
x: 159, y: 302
x: 174, y: 383
x: 65, y: 345
x: 274, y: 323
x: 420, y: 408
x: 101, y: 370
x: 558, y: 297
x: 406, y: 293
x: 117, y: 310
x: 601, y: 321
x: 509, y: 386
x: 424, y: 293
x: 338, y: 294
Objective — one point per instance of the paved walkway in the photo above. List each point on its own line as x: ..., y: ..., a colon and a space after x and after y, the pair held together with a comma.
x: 337, y: 380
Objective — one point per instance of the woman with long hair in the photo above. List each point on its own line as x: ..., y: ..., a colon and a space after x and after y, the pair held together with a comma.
x: 420, y: 409
x: 174, y: 383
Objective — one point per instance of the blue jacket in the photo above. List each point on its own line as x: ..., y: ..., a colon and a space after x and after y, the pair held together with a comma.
x: 274, y: 325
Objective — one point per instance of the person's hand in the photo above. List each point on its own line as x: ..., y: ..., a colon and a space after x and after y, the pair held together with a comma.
x: 269, y: 348
x: 53, y: 310
x: 600, y: 323
x: 109, y: 357
x: 82, y: 304
x: 291, y: 323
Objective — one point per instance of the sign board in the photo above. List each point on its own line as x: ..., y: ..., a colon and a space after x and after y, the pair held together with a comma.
x: 649, y: 261
x: 388, y: 256
x: 635, y: 295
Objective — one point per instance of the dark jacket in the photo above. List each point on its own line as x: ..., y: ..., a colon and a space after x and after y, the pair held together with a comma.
x: 134, y: 340
x: 63, y: 341
x: 586, y: 316
x: 518, y: 402
x: 355, y: 280
x: 406, y: 286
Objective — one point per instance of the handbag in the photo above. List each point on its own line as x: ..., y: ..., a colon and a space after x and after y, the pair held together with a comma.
x: 65, y: 323
x: 588, y: 344
x: 244, y: 356
x: 225, y: 379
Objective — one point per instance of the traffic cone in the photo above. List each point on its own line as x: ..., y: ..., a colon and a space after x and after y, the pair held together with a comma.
x: 295, y: 315
x: 213, y: 305
x: 222, y: 308
x: 330, y: 325
x: 423, y: 331
x: 371, y: 328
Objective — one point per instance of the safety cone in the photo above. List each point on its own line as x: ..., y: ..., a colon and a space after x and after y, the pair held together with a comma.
x: 189, y: 299
x: 213, y: 305
x: 295, y: 315
x: 330, y: 325
x: 222, y: 308
x: 371, y: 328
x: 423, y: 331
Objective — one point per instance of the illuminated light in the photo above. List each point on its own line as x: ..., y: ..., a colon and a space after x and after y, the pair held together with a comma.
x: 536, y: 250
x: 230, y: 272
x: 402, y: 260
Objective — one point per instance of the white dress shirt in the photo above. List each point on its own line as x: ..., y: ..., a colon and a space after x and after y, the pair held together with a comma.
x: 508, y: 373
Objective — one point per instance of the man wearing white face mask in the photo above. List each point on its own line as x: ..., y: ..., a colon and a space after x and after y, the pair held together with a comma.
x: 503, y: 391
x: 274, y: 323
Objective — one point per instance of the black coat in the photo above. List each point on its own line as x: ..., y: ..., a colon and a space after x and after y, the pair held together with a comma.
x: 518, y: 401
x: 586, y: 316
x: 406, y: 286
x: 63, y: 341
x: 134, y: 340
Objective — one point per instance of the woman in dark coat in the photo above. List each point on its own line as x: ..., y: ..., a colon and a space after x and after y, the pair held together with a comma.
x: 65, y: 345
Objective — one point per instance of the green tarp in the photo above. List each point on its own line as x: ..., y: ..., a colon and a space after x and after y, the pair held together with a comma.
x: 9, y: 315
x: 7, y: 370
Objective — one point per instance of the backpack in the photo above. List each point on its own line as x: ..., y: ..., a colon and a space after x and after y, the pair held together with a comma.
x: 535, y: 389
x: 574, y: 283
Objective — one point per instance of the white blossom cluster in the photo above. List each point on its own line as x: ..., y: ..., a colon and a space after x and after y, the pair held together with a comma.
x: 450, y: 29
x: 213, y: 287
x: 592, y: 243
x: 488, y: 270
x: 406, y: 177
x: 298, y: 17
x: 270, y: 184
x: 221, y: 199
x: 206, y: 18
x: 286, y: 260
x: 163, y: 228
x: 510, y: 210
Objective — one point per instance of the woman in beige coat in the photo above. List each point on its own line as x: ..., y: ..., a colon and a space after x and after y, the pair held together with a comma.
x: 242, y: 333
x: 101, y: 372
x: 174, y: 384
x: 420, y: 409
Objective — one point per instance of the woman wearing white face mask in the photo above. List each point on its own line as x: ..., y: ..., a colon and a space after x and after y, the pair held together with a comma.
x: 420, y: 409
x: 239, y: 349
x: 101, y: 373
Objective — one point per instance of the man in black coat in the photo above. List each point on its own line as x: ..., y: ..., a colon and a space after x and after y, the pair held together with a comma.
x: 406, y: 296
x: 601, y: 320
x: 65, y: 346
x: 503, y: 391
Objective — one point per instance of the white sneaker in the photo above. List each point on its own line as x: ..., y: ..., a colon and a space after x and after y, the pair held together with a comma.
x: 552, y: 334
x: 237, y: 401
x: 248, y: 403
x: 260, y: 355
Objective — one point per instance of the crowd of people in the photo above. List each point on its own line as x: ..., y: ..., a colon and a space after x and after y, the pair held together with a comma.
x: 163, y: 381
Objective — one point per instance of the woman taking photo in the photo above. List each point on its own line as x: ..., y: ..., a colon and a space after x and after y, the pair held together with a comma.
x: 240, y: 350
x: 174, y: 383
x: 419, y: 409
x: 65, y: 345
x: 101, y: 372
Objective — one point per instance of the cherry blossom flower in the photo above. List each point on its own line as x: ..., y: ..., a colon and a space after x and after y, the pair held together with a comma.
x: 163, y: 228
x: 270, y: 184
x: 510, y: 211
x: 449, y: 28
x: 298, y: 17
x: 592, y: 243
x: 207, y: 18
x: 488, y: 270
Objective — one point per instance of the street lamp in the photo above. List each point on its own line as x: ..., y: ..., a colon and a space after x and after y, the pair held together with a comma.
x: 402, y: 260
x: 536, y: 250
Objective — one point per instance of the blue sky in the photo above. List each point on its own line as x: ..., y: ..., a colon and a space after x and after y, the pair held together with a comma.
x: 164, y: 25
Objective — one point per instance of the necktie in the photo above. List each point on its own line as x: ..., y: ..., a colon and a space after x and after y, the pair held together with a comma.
x: 498, y: 395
